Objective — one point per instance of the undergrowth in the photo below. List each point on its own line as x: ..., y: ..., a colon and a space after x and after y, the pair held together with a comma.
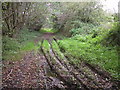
x: 92, y: 49
x: 105, y: 57
x: 46, y: 45
x: 14, y: 48
x: 10, y: 49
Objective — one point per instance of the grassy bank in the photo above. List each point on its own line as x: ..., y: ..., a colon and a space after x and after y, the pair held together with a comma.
x: 105, y: 57
x: 14, y: 48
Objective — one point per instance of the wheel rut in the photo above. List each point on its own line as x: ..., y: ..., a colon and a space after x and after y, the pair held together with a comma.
x: 46, y: 70
x: 85, y: 77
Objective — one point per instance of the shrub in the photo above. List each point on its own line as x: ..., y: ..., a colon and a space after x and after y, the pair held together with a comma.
x: 10, y: 47
x: 113, y: 36
x: 82, y: 28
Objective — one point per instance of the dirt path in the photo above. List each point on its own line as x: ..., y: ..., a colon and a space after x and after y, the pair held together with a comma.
x: 48, y: 36
x: 29, y: 72
x: 24, y: 73
x: 45, y: 36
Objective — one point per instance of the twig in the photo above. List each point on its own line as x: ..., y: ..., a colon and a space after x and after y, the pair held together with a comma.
x: 9, y: 74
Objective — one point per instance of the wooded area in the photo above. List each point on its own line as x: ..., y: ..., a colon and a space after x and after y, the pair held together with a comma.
x: 60, y: 46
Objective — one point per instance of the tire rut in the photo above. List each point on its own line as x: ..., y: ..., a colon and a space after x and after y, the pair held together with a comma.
x: 48, y: 71
x: 84, y: 75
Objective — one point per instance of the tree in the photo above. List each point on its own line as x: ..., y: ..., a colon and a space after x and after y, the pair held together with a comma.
x: 13, y: 16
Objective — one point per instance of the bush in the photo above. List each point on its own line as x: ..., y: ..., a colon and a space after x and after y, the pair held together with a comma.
x: 10, y: 44
x: 92, y: 47
x: 27, y: 35
x: 82, y: 28
x: 14, y: 48
x: 10, y: 47
x: 113, y: 36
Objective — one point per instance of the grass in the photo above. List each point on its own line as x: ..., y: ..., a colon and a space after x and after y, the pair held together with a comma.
x: 46, y: 45
x: 14, y: 48
x: 93, y: 49
x: 57, y: 50
x: 10, y: 48
x: 25, y: 35
x: 105, y: 57
x: 79, y: 47
x: 29, y: 46
x: 48, y: 30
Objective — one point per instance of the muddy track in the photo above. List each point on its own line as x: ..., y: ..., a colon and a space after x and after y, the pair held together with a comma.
x: 85, y: 77
x: 59, y: 70
x: 72, y: 70
x: 49, y: 71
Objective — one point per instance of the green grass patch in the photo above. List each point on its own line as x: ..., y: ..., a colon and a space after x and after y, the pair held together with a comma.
x: 46, y: 45
x: 61, y: 55
x: 28, y: 46
x: 10, y: 49
x: 57, y: 50
x: 105, y: 57
x: 48, y: 30
x: 14, y: 48
x: 26, y: 35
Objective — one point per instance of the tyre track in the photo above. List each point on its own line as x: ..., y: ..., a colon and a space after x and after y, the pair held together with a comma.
x: 82, y: 74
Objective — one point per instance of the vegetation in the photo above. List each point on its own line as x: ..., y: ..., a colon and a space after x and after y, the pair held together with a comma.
x: 105, y: 57
x: 76, y: 32
x: 13, y: 49
x: 48, y: 30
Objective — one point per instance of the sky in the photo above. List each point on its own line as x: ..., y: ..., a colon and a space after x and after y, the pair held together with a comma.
x: 110, y: 5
